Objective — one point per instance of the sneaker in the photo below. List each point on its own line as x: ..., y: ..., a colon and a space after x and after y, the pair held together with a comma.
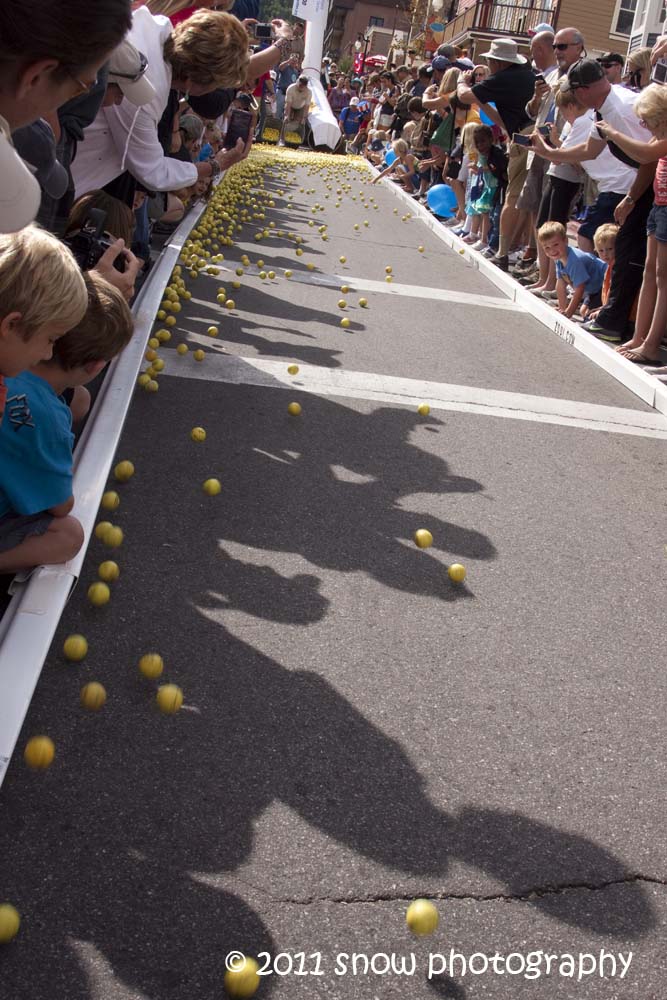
x: 489, y: 253
x: 453, y: 223
x: 601, y: 333
x: 526, y: 264
x: 479, y: 245
x: 501, y: 261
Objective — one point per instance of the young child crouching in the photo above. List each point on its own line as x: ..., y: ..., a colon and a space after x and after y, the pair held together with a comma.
x: 581, y: 271
x: 604, y: 241
x: 36, y: 438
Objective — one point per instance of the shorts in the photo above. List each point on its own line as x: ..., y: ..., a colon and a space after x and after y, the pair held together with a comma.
x: 531, y: 192
x: 656, y: 224
x: 15, y: 528
x: 517, y: 168
x: 600, y: 213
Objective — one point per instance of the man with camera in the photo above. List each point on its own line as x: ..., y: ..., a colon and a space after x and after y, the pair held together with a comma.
x: 288, y: 73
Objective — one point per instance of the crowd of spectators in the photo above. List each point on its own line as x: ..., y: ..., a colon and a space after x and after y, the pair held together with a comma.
x: 113, y: 117
x: 558, y: 165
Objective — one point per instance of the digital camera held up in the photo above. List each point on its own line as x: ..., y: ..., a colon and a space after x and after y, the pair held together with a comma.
x: 91, y: 241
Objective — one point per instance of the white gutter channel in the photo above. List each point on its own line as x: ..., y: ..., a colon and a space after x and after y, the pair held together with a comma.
x: 30, y: 622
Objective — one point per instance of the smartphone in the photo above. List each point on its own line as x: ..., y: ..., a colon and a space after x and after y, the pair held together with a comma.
x: 263, y: 31
x: 522, y: 140
x: 239, y: 128
x: 540, y: 78
x: 659, y: 74
x: 544, y: 130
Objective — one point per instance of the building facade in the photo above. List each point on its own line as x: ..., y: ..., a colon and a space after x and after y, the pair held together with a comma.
x: 605, y: 24
x: 352, y: 21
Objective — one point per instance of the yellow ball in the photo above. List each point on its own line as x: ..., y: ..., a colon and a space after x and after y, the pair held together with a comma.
x: 101, y: 529
x: 151, y: 355
x: 39, y: 753
x: 108, y: 571
x: 99, y: 594
x: 198, y: 434
x: 10, y: 923
x: 236, y: 284
x: 198, y: 355
x: 388, y: 269
x: 113, y: 537
x: 423, y: 538
x: 75, y: 648
x: 310, y: 266
x: 363, y: 303
x: 345, y: 323
x: 110, y: 500
x: 242, y: 981
x: 422, y: 917
x: 169, y: 698
x: 294, y: 409
x: 389, y: 278
x: 423, y: 409
x: 93, y: 696
x: 272, y: 275
x: 293, y: 370
x: 299, y: 252
x: 344, y: 289
x: 356, y: 226
x: 123, y: 471
x: 262, y: 275
x: 421, y: 249
x: 342, y: 304
x: 456, y: 573
x: 230, y: 304
x: 154, y: 342
x: 342, y: 259
x: 212, y: 487
x: 288, y: 274
x: 461, y: 252
x: 151, y: 665
x: 182, y: 349
x: 212, y: 331
x: 170, y: 321
x: 239, y: 271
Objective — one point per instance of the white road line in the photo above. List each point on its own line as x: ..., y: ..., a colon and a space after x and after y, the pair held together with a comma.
x: 367, y: 285
x: 410, y: 392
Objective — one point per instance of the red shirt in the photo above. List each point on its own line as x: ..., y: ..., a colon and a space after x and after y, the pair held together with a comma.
x: 660, y: 182
x: 182, y: 15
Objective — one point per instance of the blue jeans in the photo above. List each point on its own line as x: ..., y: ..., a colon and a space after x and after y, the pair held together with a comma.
x: 280, y: 103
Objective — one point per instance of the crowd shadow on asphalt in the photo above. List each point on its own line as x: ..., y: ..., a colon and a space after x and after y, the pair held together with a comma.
x: 123, y: 844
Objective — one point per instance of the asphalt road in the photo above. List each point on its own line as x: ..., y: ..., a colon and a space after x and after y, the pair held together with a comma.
x: 358, y: 731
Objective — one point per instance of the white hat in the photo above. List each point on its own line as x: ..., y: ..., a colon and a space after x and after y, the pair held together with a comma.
x: 20, y: 194
x: 127, y: 69
x: 504, y: 50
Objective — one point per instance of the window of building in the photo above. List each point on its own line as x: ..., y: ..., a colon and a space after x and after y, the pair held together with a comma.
x: 376, y: 22
x: 623, y: 17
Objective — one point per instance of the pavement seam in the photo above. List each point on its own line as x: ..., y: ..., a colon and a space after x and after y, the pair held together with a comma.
x: 527, y: 896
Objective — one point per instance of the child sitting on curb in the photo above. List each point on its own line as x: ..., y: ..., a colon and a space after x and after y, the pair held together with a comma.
x: 36, y: 438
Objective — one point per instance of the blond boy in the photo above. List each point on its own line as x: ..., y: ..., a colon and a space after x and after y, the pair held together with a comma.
x: 36, y: 438
x: 42, y: 295
x: 582, y: 272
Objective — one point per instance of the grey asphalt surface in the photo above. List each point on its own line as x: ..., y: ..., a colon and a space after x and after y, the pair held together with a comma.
x: 357, y: 730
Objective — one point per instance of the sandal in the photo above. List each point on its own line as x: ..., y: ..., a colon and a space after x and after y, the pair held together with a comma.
x: 637, y: 358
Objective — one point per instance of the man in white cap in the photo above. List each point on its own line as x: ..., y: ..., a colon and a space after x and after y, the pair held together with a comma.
x: 510, y: 86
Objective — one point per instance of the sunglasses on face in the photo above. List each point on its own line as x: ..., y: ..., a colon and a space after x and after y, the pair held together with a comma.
x: 561, y: 46
x: 608, y: 65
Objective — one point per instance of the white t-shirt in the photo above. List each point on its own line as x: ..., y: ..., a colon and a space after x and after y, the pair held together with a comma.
x: 296, y: 98
x: 124, y: 137
x: 572, y: 135
x: 611, y: 173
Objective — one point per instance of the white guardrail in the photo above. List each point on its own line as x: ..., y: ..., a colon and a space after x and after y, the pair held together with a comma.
x: 30, y: 622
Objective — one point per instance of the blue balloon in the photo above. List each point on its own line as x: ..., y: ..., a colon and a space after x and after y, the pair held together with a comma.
x: 442, y: 201
x: 485, y: 118
x: 389, y: 157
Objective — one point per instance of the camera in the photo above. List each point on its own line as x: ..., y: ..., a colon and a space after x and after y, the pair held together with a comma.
x: 263, y: 31
x: 659, y: 74
x: 91, y: 241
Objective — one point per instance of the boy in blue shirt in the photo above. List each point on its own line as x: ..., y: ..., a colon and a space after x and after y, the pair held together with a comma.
x: 36, y: 438
x: 584, y: 272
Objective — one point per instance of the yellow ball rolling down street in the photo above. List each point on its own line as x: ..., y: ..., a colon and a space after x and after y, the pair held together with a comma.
x: 456, y: 573
x: 93, y: 696
x: 169, y: 698
x: 293, y: 370
x: 75, y: 648
x: 108, y: 571
x: 10, y: 922
x: 422, y: 917
x: 294, y: 409
x: 123, y: 471
x: 151, y: 665
x: 423, y: 409
x: 423, y: 538
x: 198, y: 434
x: 39, y: 753
x: 242, y: 980
x: 99, y: 594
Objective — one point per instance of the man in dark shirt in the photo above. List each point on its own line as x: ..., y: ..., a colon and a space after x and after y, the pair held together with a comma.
x: 510, y: 86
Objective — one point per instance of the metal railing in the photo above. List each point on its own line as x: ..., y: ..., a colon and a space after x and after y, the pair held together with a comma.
x: 511, y: 19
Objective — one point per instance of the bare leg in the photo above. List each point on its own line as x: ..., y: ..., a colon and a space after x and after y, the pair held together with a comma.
x: 59, y: 543
x: 647, y: 298
x: 650, y: 349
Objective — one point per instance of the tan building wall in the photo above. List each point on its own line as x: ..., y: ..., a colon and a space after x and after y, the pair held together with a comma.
x: 357, y: 21
x: 595, y: 20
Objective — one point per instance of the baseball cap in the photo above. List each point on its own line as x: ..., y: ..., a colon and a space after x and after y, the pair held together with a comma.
x: 354, y: 101
x: 582, y: 74
x: 611, y: 57
x: 440, y: 64
x: 20, y: 194
x: 127, y: 69
x: 539, y: 28
x: 36, y: 145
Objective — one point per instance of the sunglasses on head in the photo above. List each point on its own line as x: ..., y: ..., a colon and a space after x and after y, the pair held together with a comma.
x: 133, y: 77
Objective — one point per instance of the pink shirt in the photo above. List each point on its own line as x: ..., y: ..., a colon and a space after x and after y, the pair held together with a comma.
x: 660, y: 182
